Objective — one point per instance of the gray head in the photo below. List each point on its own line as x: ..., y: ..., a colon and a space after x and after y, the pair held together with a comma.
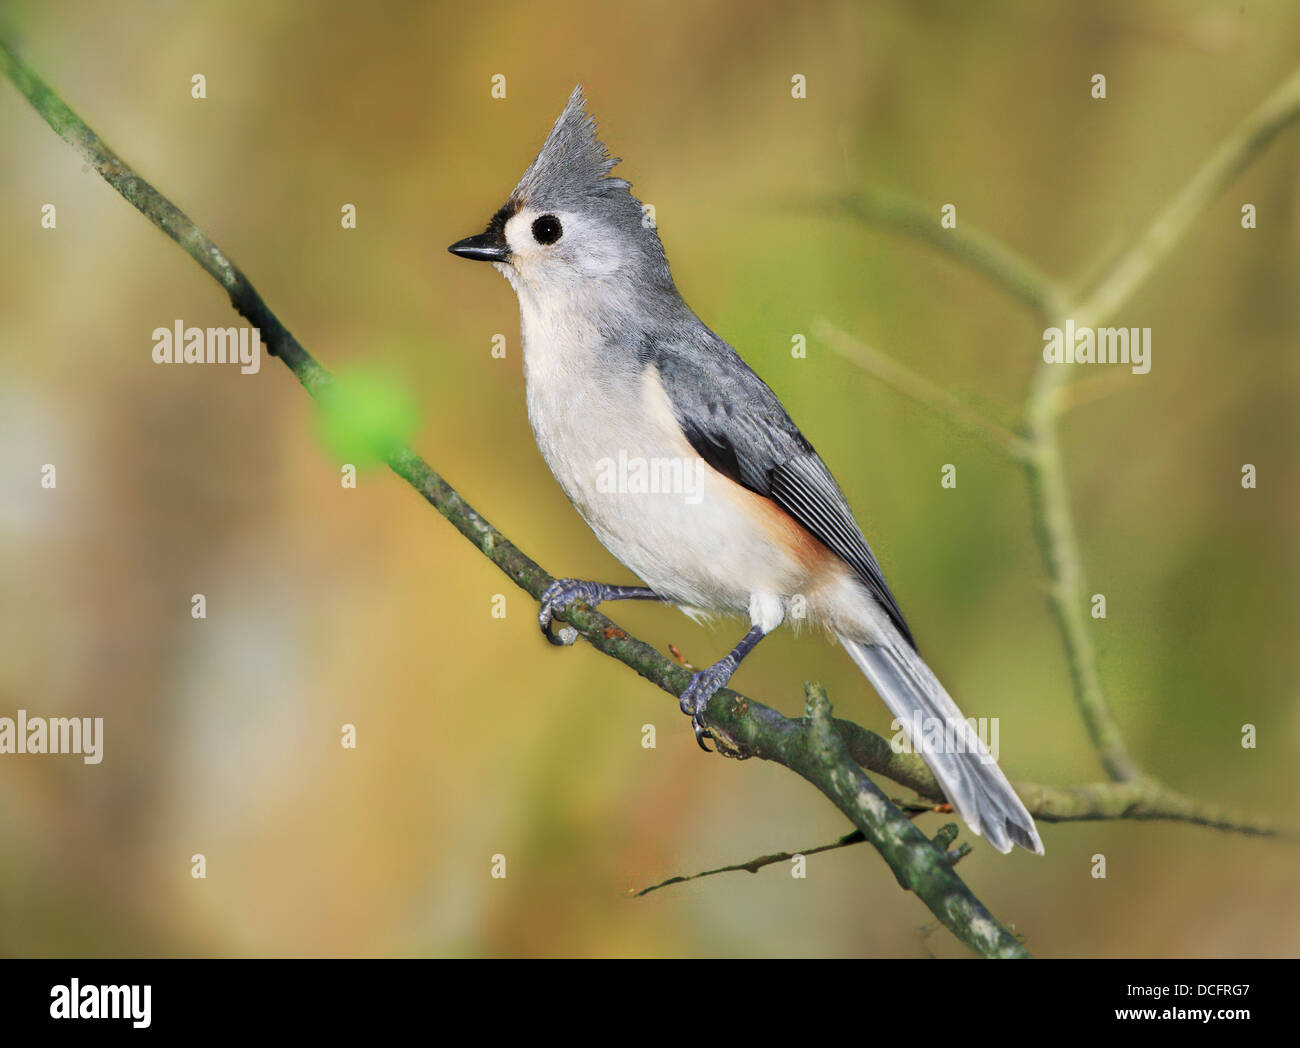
x: 569, y: 226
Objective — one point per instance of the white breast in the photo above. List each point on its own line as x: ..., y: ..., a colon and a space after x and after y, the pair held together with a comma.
x: 608, y: 433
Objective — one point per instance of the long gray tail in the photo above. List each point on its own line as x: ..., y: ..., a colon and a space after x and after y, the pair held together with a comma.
x: 971, y: 778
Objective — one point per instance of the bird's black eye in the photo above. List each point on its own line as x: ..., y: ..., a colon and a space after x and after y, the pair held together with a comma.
x: 547, y: 229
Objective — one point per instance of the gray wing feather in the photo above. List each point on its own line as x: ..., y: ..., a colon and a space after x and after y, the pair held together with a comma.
x: 737, y: 424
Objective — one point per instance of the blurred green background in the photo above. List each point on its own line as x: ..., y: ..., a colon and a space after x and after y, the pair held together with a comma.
x: 329, y: 606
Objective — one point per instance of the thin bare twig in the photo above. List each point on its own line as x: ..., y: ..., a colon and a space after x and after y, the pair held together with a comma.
x: 921, y: 389
x: 753, y: 865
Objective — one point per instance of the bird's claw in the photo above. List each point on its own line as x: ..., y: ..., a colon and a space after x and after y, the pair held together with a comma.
x: 696, y: 697
x: 557, y: 597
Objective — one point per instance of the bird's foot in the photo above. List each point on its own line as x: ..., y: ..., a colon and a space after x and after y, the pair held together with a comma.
x: 701, y: 689
x: 557, y: 597
x: 563, y: 592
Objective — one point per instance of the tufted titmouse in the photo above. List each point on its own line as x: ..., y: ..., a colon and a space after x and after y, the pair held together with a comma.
x: 687, y: 467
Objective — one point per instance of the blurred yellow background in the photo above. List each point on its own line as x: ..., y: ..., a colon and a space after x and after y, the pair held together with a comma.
x: 329, y: 606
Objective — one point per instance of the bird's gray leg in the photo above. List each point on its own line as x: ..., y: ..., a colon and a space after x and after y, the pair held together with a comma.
x: 706, y: 682
x: 563, y: 592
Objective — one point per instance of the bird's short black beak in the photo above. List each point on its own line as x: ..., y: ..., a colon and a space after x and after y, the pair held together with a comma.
x: 486, y: 247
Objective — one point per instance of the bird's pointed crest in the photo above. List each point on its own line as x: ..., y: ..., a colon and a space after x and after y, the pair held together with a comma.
x: 573, y: 165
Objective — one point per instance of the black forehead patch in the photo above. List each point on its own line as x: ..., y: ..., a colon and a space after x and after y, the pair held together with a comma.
x: 507, y: 211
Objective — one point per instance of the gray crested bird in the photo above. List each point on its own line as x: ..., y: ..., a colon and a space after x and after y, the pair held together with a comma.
x: 620, y: 370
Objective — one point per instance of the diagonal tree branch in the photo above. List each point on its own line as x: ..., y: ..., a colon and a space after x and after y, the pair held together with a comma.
x: 1235, y: 153
x: 983, y: 252
x: 811, y: 747
x: 921, y: 389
